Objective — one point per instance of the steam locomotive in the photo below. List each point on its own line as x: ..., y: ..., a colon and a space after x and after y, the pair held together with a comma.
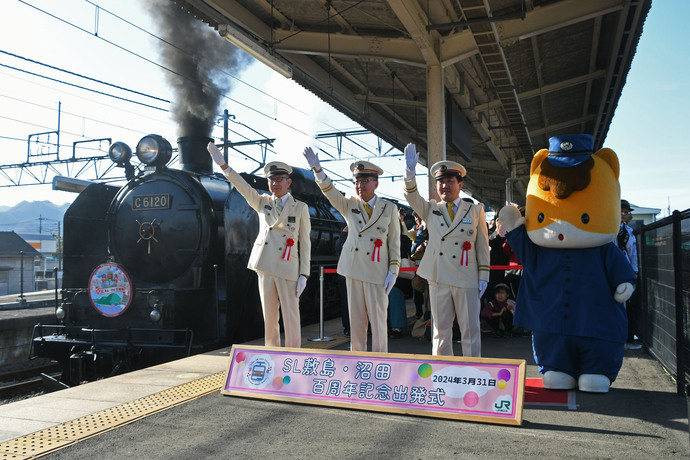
x: 156, y: 270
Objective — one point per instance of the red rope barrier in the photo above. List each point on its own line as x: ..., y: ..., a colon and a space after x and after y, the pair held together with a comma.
x: 414, y: 269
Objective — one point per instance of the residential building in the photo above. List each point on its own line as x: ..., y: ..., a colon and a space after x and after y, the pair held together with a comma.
x: 16, y: 264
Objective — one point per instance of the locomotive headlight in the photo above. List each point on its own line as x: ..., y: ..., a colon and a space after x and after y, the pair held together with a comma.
x: 155, y: 314
x: 156, y: 304
x: 60, y: 312
x: 154, y: 150
x: 120, y: 153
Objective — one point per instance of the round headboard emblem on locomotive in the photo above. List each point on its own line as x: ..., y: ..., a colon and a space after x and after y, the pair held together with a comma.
x: 110, y: 289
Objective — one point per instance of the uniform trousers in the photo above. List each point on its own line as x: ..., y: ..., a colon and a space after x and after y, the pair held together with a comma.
x: 397, y: 308
x: 462, y: 303
x: 367, y: 302
x: 279, y: 293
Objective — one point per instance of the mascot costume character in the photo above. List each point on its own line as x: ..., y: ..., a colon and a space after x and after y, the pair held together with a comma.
x: 575, y: 279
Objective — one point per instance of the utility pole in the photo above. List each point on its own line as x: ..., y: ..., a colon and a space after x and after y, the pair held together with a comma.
x: 59, y: 249
x: 22, y: 300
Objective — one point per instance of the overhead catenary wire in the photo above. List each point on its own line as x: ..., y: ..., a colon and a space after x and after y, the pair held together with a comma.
x: 136, y: 113
x: 249, y: 107
x: 77, y: 115
x: 253, y: 108
x: 81, y: 87
x: 167, y: 42
x: 227, y: 73
x: 83, y: 76
x: 139, y: 114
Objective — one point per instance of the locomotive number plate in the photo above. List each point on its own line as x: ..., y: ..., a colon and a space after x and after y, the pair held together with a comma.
x: 145, y: 202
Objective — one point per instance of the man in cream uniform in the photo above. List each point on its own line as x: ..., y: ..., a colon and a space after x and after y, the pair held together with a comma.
x: 456, y: 260
x: 282, y: 250
x: 370, y: 259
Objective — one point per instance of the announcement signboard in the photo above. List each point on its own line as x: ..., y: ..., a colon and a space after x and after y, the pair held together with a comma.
x: 479, y: 389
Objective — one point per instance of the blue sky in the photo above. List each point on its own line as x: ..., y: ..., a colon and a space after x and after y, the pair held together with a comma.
x: 647, y: 131
x: 651, y: 120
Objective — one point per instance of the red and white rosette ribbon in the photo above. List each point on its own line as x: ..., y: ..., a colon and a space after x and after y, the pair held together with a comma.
x: 376, y: 256
x: 464, y: 259
x: 288, y: 247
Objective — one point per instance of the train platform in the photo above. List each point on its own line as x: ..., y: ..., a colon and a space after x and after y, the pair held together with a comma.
x: 29, y: 299
x: 175, y: 410
x: 17, y: 320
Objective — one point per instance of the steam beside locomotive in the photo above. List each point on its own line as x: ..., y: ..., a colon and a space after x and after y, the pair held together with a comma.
x: 156, y: 269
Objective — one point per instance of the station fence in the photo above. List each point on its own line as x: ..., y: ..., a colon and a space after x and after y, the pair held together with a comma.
x: 661, y: 303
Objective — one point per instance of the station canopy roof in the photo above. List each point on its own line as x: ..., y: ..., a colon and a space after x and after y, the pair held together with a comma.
x: 516, y: 72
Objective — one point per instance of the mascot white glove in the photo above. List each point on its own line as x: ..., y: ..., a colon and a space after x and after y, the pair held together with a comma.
x: 623, y: 292
x: 482, y: 287
x: 509, y: 218
x: 312, y: 158
x: 216, y: 154
x: 390, y: 282
x: 411, y: 159
x: 301, y: 284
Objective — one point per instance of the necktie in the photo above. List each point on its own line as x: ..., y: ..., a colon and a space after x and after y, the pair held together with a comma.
x: 367, y: 208
x: 449, y: 205
x: 623, y: 238
x: 279, y: 205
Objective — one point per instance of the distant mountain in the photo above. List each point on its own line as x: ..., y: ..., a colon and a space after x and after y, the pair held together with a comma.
x: 35, y: 217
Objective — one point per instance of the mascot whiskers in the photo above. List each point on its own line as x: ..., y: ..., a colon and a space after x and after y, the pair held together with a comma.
x: 575, y: 279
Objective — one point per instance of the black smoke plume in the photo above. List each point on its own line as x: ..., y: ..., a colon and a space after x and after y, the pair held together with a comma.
x: 199, y: 63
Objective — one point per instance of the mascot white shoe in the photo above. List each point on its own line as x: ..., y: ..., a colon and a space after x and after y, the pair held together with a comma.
x: 594, y: 383
x: 555, y: 380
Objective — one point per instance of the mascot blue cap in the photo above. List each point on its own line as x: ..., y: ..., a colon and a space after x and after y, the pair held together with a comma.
x: 570, y: 149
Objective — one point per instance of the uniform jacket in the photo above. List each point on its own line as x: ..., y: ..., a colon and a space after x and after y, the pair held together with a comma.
x: 630, y: 246
x: 570, y: 291
x: 359, y: 259
x: 276, y: 231
x: 457, y: 253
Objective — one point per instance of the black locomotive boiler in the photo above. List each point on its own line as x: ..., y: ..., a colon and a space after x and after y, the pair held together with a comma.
x: 156, y: 269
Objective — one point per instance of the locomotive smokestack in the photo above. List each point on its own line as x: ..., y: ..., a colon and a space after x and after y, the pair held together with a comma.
x: 193, y: 156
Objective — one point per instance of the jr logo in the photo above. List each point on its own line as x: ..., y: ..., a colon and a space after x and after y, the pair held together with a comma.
x: 502, y: 406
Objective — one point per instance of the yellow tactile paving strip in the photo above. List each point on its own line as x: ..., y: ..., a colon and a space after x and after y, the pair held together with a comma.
x: 59, y: 436
x: 51, y: 439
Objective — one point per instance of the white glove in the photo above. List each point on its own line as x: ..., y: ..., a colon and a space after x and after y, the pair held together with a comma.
x: 389, y: 283
x: 312, y: 158
x: 623, y: 292
x: 301, y: 284
x: 482, y: 287
x: 509, y: 218
x: 411, y: 159
x: 215, y: 154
